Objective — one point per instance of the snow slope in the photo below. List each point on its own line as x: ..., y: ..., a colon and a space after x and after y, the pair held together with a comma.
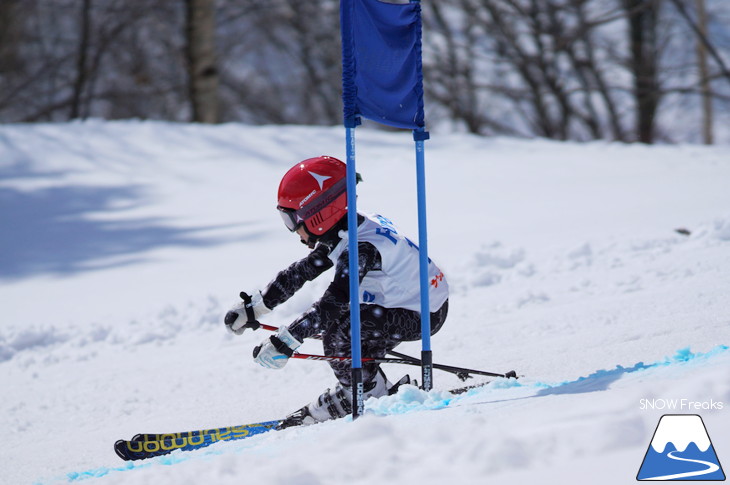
x: 124, y: 243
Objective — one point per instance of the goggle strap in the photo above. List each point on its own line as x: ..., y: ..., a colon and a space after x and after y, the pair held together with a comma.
x: 323, y: 200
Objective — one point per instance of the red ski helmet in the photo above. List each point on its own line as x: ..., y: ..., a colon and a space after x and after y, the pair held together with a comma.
x: 313, y: 194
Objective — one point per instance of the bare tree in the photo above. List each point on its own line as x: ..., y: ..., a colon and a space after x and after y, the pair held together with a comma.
x: 283, y: 61
x: 12, y: 63
x: 643, y: 63
x: 536, y: 64
x: 706, y: 89
x: 201, y: 60
x: 81, y: 63
x: 711, y: 64
x: 563, y: 69
x: 703, y: 38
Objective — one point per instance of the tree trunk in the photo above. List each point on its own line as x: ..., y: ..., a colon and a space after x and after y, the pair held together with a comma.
x: 707, y: 135
x: 81, y: 61
x: 642, y: 20
x: 201, y: 60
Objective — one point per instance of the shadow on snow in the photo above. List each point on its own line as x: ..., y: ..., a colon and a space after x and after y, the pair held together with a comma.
x: 52, y: 230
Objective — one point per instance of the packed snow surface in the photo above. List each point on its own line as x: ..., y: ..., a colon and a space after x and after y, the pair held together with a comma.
x: 600, y: 272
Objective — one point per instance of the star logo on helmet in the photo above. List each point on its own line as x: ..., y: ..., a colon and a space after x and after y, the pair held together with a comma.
x: 319, y: 178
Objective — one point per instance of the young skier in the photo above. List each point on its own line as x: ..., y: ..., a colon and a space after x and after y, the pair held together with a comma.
x: 312, y: 201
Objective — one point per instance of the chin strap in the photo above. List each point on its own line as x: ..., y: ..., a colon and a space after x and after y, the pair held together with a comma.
x: 311, y: 244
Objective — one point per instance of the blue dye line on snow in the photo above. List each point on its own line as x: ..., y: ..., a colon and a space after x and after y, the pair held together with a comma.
x: 102, y: 471
x: 410, y: 400
x: 600, y: 380
x: 173, y: 458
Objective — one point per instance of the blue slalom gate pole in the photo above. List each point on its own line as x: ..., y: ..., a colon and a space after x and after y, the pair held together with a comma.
x: 419, y: 136
x: 351, y: 120
x: 358, y: 405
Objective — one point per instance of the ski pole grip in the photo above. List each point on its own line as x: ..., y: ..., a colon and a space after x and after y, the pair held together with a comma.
x: 251, y: 321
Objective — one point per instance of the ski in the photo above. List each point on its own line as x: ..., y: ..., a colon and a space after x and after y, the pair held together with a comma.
x: 149, y: 445
x: 223, y: 433
x: 144, y: 446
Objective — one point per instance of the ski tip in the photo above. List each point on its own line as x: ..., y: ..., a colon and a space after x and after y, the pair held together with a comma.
x: 121, y: 450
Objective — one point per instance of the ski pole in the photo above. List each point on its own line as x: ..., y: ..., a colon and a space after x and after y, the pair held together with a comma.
x: 461, y: 373
x: 454, y: 370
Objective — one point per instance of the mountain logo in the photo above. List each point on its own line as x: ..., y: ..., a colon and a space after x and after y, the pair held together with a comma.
x: 680, y: 450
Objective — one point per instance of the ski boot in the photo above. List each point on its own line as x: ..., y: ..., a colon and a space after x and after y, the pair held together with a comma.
x: 337, y: 403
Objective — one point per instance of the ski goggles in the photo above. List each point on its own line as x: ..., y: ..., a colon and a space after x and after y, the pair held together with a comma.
x: 290, y: 218
x: 294, y: 219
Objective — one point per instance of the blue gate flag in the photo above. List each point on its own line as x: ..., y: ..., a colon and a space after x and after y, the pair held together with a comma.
x: 382, y: 73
